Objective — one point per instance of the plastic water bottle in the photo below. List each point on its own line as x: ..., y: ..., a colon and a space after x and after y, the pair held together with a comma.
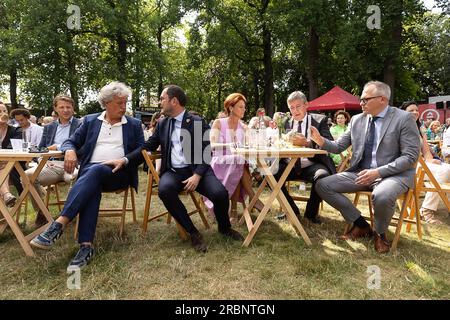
x: 25, y: 143
x: 262, y: 130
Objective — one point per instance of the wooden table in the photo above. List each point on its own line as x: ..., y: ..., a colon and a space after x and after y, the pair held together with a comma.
x: 12, y: 159
x: 274, y: 154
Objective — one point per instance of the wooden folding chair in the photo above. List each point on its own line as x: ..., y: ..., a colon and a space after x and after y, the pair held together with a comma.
x: 432, y: 185
x: 409, y: 212
x: 153, y: 181
x: 345, y: 163
x: 117, y: 212
x: 55, y: 189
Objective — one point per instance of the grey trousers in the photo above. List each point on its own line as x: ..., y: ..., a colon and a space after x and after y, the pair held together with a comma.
x: 384, y: 195
x: 53, y: 172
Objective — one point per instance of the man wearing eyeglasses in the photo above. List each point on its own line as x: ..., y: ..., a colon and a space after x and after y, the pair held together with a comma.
x: 385, y: 144
x: 307, y: 169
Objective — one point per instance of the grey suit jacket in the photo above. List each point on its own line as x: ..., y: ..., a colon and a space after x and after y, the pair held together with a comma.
x: 398, y: 148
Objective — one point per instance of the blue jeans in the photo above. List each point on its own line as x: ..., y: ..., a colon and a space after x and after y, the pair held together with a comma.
x: 85, y: 195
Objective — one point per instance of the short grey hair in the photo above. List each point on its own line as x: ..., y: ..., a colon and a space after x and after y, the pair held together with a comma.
x: 108, y: 92
x: 381, y: 88
x: 297, y: 95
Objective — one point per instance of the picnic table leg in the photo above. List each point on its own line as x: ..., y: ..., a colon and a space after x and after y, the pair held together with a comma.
x: 287, y: 207
x: 16, y: 230
x: 276, y: 188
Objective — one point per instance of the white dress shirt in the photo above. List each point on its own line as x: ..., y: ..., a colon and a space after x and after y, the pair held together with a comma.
x: 33, y: 134
x: 306, y: 131
x: 109, y: 144
x: 177, y: 156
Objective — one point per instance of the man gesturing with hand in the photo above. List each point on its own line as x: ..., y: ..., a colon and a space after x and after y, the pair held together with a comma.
x: 385, y: 144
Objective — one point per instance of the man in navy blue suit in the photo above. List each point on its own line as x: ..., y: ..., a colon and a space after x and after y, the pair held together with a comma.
x: 55, y: 134
x: 184, y: 141
x: 105, y: 138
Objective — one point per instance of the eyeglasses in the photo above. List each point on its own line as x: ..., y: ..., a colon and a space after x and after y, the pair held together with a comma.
x: 365, y: 100
x: 296, y: 107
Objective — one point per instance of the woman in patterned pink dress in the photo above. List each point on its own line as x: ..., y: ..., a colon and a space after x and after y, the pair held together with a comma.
x: 230, y: 169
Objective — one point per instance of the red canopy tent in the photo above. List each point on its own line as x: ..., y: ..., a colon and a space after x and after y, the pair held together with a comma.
x: 335, y: 99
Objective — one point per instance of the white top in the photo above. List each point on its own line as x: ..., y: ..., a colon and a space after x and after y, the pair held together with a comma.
x: 177, y: 156
x: 109, y: 144
x: 306, y: 131
x: 33, y: 134
x: 446, y: 143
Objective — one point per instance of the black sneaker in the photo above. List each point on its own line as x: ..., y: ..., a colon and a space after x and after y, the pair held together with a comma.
x: 82, y: 258
x: 233, y: 234
x: 47, y: 238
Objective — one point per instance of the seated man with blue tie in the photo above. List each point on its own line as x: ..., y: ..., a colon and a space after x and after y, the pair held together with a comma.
x: 104, y: 136
x: 186, y: 154
x: 307, y: 169
x: 385, y: 143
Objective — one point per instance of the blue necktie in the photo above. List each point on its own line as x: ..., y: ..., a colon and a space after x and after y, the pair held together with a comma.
x: 368, y: 145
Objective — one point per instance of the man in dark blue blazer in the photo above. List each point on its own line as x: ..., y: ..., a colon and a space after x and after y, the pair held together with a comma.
x: 55, y: 134
x: 106, y: 138
x: 186, y: 154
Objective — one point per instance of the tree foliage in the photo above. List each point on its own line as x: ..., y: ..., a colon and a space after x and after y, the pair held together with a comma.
x: 264, y: 49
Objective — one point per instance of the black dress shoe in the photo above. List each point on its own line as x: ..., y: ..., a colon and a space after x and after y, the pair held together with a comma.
x: 315, y: 220
x: 198, y: 243
x: 233, y: 234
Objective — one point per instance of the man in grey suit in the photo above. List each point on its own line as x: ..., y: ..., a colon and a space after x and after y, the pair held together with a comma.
x: 54, y: 135
x: 386, y: 145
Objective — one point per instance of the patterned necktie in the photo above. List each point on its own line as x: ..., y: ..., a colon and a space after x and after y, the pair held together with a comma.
x: 298, y: 163
x: 169, y: 142
x: 366, y: 160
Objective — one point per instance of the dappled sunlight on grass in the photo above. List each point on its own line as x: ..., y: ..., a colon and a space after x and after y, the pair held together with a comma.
x: 277, y: 264
x: 421, y: 274
x: 333, y: 249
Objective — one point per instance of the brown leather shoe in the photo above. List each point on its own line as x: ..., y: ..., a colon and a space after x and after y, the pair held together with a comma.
x: 198, y: 243
x: 381, y: 246
x: 40, y: 220
x: 357, y: 232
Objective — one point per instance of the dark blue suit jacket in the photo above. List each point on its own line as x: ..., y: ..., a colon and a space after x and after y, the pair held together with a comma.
x: 86, y: 137
x: 48, y: 137
x: 196, y: 147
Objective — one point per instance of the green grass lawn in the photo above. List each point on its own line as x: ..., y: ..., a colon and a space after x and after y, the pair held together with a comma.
x: 276, y: 265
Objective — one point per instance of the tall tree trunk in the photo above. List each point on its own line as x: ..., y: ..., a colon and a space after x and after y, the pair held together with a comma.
x: 57, y: 72
x: 219, y: 97
x: 121, y: 57
x: 148, y: 96
x: 313, y: 57
x: 160, y: 68
x: 268, y: 72
x: 136, y: 95
x: 72, y: 78
x: 13, y: 87
x: 256, y: 88
x: 395, y: 42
